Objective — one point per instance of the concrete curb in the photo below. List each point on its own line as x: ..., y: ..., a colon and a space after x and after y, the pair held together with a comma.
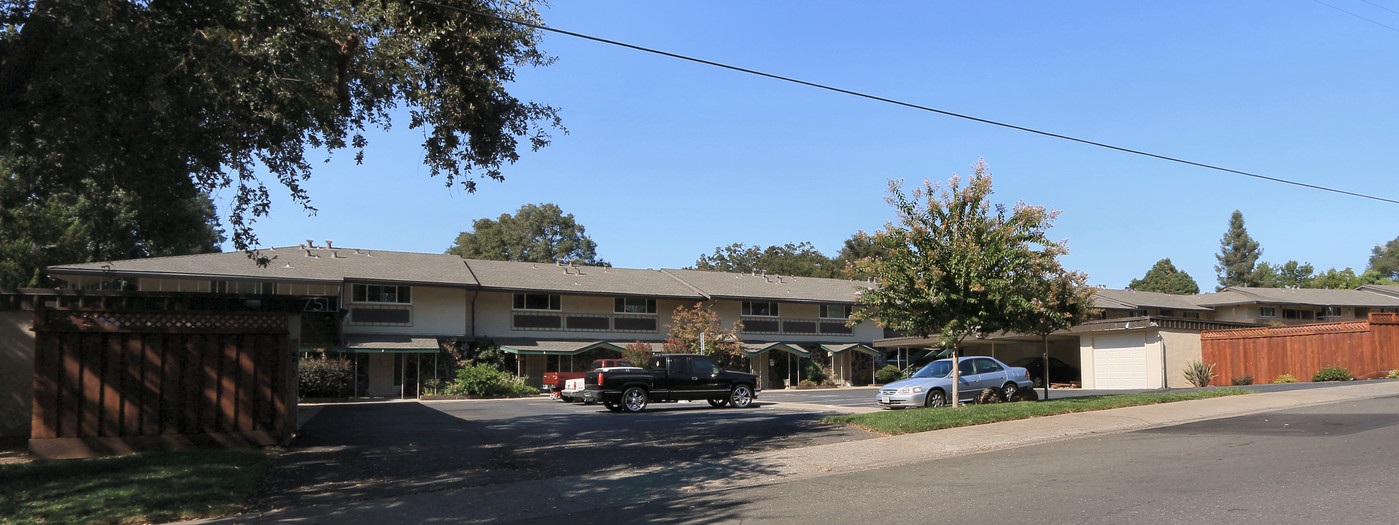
x: 529, y: 500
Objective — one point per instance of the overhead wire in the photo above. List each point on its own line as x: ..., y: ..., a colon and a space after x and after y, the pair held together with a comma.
x: 1372, y: 21
x: 908, y: 104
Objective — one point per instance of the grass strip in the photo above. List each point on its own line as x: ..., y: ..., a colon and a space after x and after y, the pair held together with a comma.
x: 137, y: 488
x: 894, y: 422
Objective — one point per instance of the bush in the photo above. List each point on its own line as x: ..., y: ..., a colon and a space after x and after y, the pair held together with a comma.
x: 324, y: 377
x: 1243, y: 380
x: 1285, y: 378
x: 888, y: 374
x: 1199, y: 373
x: 1393, y: 374
x: 1331, y: 373
x: 486, y: 380
x: 807, y: 383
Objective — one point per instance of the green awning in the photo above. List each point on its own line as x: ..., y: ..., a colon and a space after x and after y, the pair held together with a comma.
x: 858, y: 347
x: 753, y: 349
x: 538, y: 347
x: 385, y: 344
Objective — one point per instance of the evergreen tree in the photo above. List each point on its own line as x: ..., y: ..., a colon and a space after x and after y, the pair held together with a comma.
x: 536, y: 233
x: 1384, y: 260
x: 1164, y: 277
x: 1238, y: 254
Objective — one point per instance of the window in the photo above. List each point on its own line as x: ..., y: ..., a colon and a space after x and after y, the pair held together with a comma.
x: 702, y: 368
x: 1191, y: 315
x: 1331, y: 311
x: 987, y: 366
x: 760, y: 308
x: 537, y: 301
x: 1267, y: 311
x: 374, y: 293
x: 634, y: 305
x: 1298, y: 314
x: 1137, y: 313
x: 1166, y: 313
x: 836, y: 311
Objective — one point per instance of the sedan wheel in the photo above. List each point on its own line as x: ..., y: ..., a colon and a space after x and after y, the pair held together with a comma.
x: 634, y: 399
x: 741, y: 396
x: 1009, y: 391
x: 935, y: 398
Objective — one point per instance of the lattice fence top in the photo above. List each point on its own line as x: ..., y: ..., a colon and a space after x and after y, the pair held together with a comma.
x: 1384, y: 318
x: 107, y: 320
x: 1280, y: 331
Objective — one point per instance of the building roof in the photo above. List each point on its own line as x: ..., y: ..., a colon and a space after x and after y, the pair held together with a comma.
x: 323, y: 265
x: 1135, y: 300
x: 1386, y: 289
x: 594, y: 280
x: 1235, y: 295
x: 785, y: 288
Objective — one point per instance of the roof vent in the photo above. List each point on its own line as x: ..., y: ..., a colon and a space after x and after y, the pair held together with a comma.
x: 288, y: 265
x: 335, y: 254
x: 779, y: 279
x: 312, y: 255
x: 310, y: 243
x: 328, y: 245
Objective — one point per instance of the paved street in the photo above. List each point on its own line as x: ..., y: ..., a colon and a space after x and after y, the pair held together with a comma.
x: 1322, y: 464
x: 1295, y: 451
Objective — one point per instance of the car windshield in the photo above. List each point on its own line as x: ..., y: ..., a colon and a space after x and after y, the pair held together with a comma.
x: 935, y: 369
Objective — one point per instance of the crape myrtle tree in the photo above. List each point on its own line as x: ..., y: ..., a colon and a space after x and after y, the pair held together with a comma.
x: 697, y: 330
x: 536, y: 233
x: 953, y: 264
x: 160, y: 98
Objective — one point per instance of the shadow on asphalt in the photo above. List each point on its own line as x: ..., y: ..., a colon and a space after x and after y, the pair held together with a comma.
x: 357, y: 452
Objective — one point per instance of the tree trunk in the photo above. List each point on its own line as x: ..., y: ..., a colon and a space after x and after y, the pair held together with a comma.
x: 956, y: 376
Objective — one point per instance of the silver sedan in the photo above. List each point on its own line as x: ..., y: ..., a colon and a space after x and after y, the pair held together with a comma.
x: 931, y: 386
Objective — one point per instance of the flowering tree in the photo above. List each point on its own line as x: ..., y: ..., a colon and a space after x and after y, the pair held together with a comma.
x: 689, y: 327
x: 954, y: 265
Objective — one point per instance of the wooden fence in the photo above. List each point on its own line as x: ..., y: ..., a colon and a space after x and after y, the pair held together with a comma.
x: 111, y: 382
x: 1367, y: 348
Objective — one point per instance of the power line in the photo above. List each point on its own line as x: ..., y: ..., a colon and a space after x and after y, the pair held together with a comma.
x: 907, y: 104
x: 1361, y: 17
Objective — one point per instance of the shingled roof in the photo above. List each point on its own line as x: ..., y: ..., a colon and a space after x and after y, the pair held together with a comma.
x: 595, y: 280
x: 1234, y: 295
x: 724, y: 285
x: 293, y: 263
x: 1133, y: 300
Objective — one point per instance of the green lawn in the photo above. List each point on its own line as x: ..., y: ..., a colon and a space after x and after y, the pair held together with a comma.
x: 136, y: 488
x: 893, y: 422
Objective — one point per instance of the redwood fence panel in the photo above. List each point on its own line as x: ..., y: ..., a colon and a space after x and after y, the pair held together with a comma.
x: 1366, y: 348
x: 111, y: 382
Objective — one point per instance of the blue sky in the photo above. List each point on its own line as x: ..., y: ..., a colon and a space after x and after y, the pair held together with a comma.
x: 666, y: 160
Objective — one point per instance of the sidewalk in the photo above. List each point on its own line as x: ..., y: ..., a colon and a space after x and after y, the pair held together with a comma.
x: 532, y: 500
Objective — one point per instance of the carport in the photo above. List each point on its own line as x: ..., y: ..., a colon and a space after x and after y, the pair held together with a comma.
x: 759, y: 359
x: 534, y: 355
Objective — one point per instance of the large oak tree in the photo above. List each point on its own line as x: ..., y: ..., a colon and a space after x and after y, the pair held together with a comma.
x: 168, y: 99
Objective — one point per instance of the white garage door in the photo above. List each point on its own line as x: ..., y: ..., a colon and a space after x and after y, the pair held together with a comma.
x: 1119, y: 361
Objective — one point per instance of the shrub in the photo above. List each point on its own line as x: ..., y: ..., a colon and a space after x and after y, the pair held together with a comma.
x: 1331, y: 373
x: 1199, y: 373
x: 485, y: 380
x: 807, y: 383
x: 888, y: 374
x: 324, y: 376
x: 990, y: 395
x: 1243, y: 380
x: 1393, y: 374
x: 1285, y: 378
x: 432, y: 387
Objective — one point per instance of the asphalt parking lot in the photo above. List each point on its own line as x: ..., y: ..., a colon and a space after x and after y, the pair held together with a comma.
x: 350, y: 452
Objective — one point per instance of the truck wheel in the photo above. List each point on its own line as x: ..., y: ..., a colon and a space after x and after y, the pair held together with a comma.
x: 634, y: 399
x: 612, y: 406
x: 718, y: 403
x: 741, y: 396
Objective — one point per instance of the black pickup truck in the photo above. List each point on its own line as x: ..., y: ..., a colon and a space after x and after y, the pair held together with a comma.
x: 670, y: 377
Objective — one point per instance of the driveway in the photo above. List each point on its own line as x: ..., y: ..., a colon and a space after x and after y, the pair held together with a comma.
x: 353, y: 452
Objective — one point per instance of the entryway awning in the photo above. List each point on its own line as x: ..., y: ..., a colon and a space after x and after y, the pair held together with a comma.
x: 754, y: 349
x: 857, y: 347
x: 382, y: 344
x: 553, y: 347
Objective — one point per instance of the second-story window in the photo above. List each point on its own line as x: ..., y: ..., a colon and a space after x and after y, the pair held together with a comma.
x: 835, y: 311
x: 634, y: 305
x: 537, y: 301
x: 374, y: 293
x: 760, y: 308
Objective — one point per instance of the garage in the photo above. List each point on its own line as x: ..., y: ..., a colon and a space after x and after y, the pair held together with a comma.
x: 1120, y: 361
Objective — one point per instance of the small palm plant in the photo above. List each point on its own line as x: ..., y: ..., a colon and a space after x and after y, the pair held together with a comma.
x: 1199, y: 373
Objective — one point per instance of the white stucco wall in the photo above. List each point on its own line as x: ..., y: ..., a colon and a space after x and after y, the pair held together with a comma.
x: 1181, y: 347
x: 436, y: 311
